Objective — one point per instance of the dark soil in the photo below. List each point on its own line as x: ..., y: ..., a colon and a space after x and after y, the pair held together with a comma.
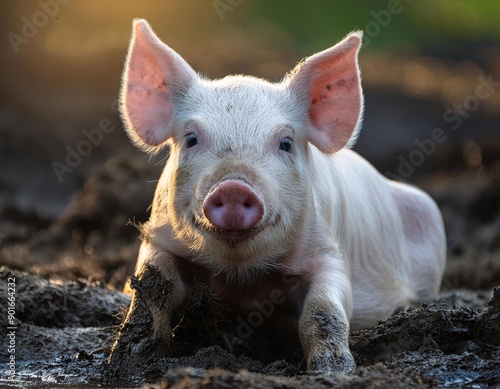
x: 64, y: 332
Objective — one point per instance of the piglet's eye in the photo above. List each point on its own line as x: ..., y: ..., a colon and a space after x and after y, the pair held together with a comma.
x: 286, y: 145
x: 191, y: 140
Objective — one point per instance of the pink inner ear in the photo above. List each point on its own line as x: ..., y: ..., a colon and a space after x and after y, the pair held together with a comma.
x: 153, y: 74
x: 147, y: 99
x: 335, y: 94
x: 335, y: 108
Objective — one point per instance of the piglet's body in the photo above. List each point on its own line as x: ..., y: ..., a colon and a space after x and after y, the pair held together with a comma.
x: 261, y: 195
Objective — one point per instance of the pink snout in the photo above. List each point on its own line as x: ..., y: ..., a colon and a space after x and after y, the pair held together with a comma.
x: 233, y: 206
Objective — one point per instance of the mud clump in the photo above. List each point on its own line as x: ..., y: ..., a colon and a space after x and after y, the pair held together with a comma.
x: 440, y: 344
x: 62, y: 330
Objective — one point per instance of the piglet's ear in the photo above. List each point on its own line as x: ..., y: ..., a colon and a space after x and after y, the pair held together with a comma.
x: 153, y: 77
x: 329, y: 84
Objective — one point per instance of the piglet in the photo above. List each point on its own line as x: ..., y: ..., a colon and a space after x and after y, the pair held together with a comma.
x: 260, y: 189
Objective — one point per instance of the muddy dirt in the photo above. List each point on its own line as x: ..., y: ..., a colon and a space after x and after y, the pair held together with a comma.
x: 64, y: 331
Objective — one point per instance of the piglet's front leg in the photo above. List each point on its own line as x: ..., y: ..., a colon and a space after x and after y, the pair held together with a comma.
x: 324, y: 327
x: 146, y: 331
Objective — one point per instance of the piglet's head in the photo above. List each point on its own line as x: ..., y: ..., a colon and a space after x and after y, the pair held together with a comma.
x: 237, y: 186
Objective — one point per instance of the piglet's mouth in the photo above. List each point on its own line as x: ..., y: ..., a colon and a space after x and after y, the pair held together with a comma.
x: 230, y: 237
x: 235, y: 237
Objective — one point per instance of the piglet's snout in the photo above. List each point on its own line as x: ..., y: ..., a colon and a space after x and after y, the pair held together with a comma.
x: 233, y: 205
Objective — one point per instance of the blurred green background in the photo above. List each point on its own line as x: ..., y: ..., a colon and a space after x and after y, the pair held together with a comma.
x: 61, y: 64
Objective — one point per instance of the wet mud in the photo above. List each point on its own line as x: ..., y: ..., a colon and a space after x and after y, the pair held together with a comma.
x: 65, y: 330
